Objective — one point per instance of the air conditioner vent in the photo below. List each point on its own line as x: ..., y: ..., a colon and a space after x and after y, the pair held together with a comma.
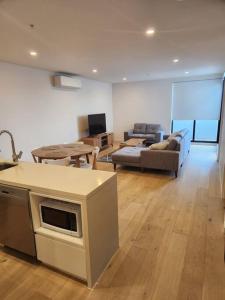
x: 67, y: 82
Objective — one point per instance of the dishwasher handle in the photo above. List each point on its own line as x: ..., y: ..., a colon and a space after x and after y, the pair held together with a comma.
x: 13, y: 192
x: 5, y: 192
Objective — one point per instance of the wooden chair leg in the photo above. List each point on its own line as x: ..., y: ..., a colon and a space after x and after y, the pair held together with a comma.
x: 34, y: 158
x: 78, y: 162
x: 176, y: 174
x: 94, y: 165
x: 114, y: 167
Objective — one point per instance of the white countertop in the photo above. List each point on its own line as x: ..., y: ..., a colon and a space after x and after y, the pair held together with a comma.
x: 58, y: 180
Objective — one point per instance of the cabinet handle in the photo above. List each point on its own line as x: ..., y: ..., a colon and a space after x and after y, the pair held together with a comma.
x: 5, y: 192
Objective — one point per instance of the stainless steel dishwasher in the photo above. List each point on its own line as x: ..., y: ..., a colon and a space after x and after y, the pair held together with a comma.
x: 16, y: 229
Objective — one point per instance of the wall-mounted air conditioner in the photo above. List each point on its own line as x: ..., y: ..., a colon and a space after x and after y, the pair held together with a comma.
x: 67, y: 82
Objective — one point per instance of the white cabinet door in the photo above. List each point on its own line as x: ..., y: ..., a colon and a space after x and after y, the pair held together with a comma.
x: 63, y: 256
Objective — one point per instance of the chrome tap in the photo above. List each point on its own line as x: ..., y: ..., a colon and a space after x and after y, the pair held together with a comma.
x: 15, y: 156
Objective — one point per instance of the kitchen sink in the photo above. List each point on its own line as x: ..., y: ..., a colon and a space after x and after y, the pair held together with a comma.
x: 6, y: 165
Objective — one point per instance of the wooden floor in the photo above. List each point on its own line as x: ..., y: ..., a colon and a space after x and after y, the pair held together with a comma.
x: 171, y: 241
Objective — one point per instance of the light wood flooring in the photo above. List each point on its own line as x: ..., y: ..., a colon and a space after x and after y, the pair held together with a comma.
x: 171, y: 241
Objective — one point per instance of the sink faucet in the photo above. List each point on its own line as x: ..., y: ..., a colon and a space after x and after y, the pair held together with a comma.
x: 15, y: 156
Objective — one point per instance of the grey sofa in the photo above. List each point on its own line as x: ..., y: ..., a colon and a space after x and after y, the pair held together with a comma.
x: 151, y: 132
x: 170, y: 159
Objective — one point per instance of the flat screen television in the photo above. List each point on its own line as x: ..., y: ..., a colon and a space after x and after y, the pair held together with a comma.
x: 96, y: 123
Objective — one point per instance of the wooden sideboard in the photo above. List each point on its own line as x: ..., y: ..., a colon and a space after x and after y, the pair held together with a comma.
x: 102, y: 140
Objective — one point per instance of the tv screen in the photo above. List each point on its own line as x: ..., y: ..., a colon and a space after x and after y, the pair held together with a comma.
x: 97, y: 124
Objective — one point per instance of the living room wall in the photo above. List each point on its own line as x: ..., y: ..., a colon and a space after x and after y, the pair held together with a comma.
x: 146, y: 101
x: 38, y: 114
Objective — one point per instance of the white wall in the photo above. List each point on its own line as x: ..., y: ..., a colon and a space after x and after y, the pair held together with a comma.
x: 38, y: 114
x: 147, y: 101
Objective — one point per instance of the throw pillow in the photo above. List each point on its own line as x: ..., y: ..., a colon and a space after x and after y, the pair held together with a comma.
x: 172, y: 144
x: 174, y: 134
x: 159, y: 146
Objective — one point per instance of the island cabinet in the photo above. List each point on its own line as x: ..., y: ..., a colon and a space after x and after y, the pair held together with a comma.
x: 87, y: 256
x: 84, y: 257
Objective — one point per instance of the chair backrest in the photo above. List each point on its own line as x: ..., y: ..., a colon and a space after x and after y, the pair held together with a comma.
x: 95, y: 153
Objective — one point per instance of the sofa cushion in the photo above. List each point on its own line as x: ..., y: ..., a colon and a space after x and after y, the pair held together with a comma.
x: 138, y: 135
x: 127, y: 154
x: 153, y: 128
x: 139, y: 127
x: 183, y: 132
x: 150, y: 136
x: 159, y: 146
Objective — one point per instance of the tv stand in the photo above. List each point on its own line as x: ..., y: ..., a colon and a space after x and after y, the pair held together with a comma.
x: 102, y: 140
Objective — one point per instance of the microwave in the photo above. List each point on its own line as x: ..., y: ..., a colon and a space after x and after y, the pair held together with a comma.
x: 61, y: 216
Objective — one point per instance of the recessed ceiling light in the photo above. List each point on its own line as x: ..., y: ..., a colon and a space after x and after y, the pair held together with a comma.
x: 175, y: 60
x: 95, y: 71
x: 33, y: 53
x: 124, y: 78
x: 150, y: 31
x: 187, y: 72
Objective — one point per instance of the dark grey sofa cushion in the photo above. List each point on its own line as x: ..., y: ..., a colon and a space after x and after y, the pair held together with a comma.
x: 138, y: 135
x: 180, y: 133
x: 153, y: 128
x: 127, y: 154
x: 139, y: 128
x: 150, y: 136
x: 143, y: 136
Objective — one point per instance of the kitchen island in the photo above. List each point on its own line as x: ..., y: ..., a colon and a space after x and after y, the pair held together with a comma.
x: 95, y: 192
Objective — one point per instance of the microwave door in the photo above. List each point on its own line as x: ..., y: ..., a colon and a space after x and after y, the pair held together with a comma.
x: 59, y: 220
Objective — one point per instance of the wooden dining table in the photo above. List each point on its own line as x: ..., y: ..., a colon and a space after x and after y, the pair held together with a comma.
x: 73, y: 150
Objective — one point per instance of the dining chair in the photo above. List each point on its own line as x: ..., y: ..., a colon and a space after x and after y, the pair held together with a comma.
x: 82, y: 159
x: 92, y: 165
x: 60, y: 162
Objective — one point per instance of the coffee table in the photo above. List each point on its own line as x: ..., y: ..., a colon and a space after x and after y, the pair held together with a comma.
x: 132, y: 143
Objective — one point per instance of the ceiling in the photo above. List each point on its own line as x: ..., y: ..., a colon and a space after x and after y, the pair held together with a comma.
x: 109, y: 35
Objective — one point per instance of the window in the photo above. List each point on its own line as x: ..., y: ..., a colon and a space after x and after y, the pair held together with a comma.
x: 181, y: 124
x: 206, y: 130
x: 201, y: 130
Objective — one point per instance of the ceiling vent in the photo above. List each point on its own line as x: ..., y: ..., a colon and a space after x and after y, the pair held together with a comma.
x: 66, y: 82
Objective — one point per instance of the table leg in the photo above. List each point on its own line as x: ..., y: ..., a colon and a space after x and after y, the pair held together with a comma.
x: 87, y: 158
x: 39, y: 160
